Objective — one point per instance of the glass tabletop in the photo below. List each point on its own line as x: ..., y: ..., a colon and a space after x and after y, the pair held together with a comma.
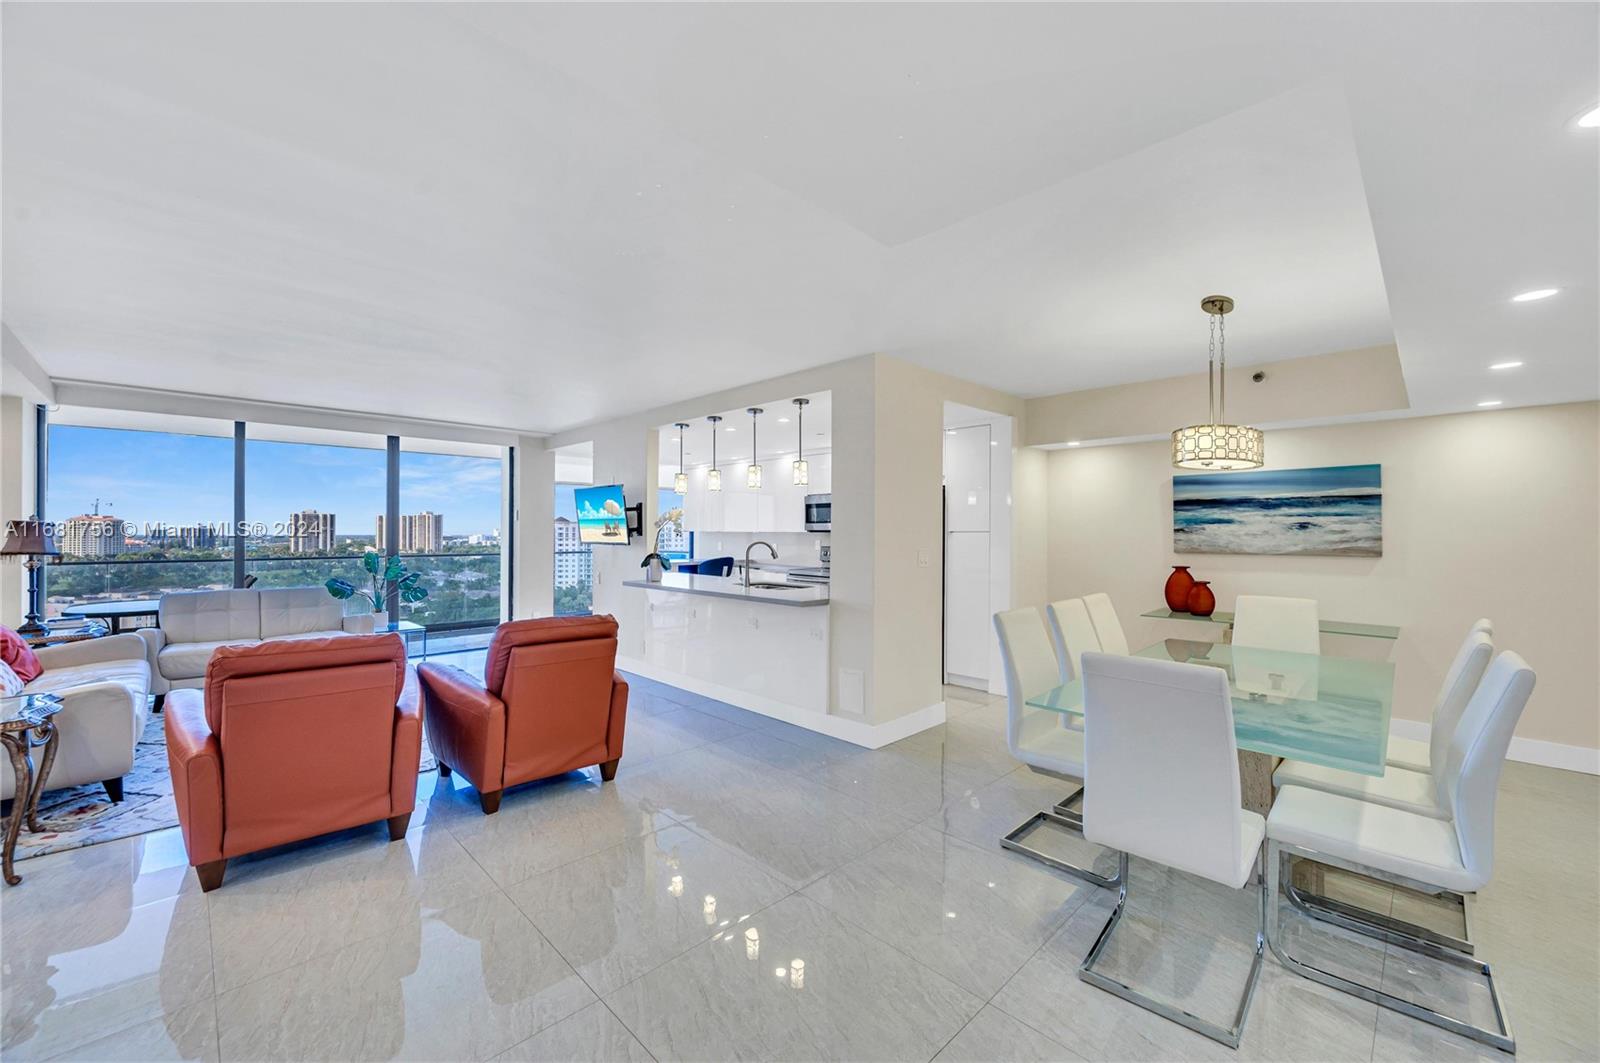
x: 21, y: 711
x: 1327, y: 627
x: 1332, y: 711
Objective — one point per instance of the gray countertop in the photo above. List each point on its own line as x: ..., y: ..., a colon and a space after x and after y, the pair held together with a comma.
x: 791, y: 594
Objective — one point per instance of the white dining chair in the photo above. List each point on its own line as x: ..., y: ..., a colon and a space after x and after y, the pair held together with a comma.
x: 1454, y: 855
x: 1162, y: 784
x: 1265, y: 622
x: 1417, y: 755
x: 1035, y: 736
x: 1420, y: 793
x: 1073, y: 633
x: 1106, y: 624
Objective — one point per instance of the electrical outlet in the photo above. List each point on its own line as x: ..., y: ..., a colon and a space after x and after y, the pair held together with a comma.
x: 924, y: 559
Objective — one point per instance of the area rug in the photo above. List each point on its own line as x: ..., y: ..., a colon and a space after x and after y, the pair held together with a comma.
x: 76, y: 816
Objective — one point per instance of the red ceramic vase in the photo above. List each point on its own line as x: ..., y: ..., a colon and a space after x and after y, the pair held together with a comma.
x: 1201, y: 601
x: 1177, y: 590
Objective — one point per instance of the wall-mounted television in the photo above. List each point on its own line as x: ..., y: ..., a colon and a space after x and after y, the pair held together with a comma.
x: 602, y: 515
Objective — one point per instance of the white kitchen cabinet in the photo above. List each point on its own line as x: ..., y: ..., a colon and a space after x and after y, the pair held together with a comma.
x: 966, y: 478
x: 778, y: 506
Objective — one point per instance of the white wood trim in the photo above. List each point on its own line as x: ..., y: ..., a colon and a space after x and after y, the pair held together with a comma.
x: 1525, y: 750
x: 856, y: 732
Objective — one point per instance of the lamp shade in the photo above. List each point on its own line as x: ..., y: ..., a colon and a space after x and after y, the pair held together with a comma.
x: 30, y: 537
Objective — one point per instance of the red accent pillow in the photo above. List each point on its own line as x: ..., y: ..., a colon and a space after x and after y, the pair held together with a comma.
x: 19, y: 655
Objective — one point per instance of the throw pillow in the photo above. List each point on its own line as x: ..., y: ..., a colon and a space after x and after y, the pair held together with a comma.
x: 19, y: 655
x: 10, y: 683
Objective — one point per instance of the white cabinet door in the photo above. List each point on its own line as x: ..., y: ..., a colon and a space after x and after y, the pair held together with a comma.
x: 966, y: 595
x: 709, y: 503
x: 740, y: 509
x: 820, y: 473
x: 966, y: 478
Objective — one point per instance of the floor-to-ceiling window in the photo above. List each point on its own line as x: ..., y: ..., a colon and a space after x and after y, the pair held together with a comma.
x: 311, y: 503
x: 449, y: 530
x: 144, y: 504
x: 140, y: 506
x: 574, y: 571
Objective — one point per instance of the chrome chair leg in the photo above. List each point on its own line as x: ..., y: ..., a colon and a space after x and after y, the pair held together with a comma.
x: 1073, y: 821
x: 1227, y: 1035
x: 1278, y: 857
x: 1364, y: 921
x: 1064, y: 808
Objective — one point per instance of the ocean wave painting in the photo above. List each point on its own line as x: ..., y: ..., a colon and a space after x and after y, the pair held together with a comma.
x: 1336, y: 510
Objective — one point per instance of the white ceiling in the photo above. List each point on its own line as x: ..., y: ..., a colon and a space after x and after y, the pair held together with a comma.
x: 534, y: 216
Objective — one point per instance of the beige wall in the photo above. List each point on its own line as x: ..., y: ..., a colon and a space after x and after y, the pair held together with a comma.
x: 1297, y: 390
x: 1485, y: 514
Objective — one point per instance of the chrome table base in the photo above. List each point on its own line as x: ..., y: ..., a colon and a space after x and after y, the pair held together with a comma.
x: 1278, y: 856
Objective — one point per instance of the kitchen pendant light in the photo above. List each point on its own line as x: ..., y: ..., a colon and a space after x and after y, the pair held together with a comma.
x: 1217, y: 445
x: 680, y: 482
x: 752, y: 476
x: 714, y: 477
x: 802, y: 471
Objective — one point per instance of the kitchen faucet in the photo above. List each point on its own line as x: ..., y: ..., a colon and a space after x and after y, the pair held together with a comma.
x: 752, y: 546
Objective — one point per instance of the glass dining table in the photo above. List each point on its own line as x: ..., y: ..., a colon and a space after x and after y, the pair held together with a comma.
x: 1332, y: 711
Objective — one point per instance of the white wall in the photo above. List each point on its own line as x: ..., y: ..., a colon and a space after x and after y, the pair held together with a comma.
x: 1485, y: 514
x: 16, y: 497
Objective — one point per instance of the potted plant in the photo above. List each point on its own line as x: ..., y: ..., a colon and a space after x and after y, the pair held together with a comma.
x: 381, y: 571
x: 654, y: 563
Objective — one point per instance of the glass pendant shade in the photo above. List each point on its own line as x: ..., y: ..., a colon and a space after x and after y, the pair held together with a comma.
x: 752, y: 476
x: 680, y: 484
x: 802, y: 473
x: 714, y: 480
x: 714, y: 476
x: 1216, y: 446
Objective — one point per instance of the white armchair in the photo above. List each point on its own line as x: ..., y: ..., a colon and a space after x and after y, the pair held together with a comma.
x: 104, y: 686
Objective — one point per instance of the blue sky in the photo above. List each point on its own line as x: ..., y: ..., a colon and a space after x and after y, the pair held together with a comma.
x: 156, y: 477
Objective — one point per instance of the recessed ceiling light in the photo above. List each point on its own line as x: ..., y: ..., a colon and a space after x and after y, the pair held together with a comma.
x: 783, y: 420
x: 1486, y: 403
x: 1073, y: 443
x: 730, y: 429
x: 674, y: 439
x: 1506, y: 365
x: 1589, y: 119
x: 994, y: 442
x: 1535, y: 295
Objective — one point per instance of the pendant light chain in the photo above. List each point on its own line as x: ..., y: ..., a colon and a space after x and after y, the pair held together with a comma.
x: 1222, y: 366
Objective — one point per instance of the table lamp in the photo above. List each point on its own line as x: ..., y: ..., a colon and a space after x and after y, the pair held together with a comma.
x: 30, y: 538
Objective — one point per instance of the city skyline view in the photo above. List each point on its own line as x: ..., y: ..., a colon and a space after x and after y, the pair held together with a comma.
x: 158, y: 478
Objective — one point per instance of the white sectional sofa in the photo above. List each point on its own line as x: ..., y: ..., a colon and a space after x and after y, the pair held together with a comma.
x: 104, y: 685
x: 192, y: 624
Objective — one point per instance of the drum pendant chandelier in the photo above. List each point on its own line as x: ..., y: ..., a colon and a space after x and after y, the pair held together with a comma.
x: 1217, y: 446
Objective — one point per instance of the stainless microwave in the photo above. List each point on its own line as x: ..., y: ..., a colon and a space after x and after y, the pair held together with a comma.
x: 819, y: 513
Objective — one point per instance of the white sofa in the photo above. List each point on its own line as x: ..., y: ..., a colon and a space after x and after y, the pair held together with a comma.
x: 104, y: 686
x: 192, y: 624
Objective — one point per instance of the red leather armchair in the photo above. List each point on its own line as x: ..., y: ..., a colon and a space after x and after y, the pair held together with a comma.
x: 551, y: 702
x: 291, y: 739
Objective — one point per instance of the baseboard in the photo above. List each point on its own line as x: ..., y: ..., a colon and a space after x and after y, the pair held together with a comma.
x: 1524, y: 750
x: 845, y: 728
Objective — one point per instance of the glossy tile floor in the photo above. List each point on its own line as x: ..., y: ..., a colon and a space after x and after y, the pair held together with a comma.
x: 745, y: 890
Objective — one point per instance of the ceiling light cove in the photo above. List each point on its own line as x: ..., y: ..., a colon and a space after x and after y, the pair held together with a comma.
x: 1502, y: 366
x: 1535, y: 295
x: 1487, y: 403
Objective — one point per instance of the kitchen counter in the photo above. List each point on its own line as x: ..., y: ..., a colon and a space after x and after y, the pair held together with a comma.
x: 772, y: 592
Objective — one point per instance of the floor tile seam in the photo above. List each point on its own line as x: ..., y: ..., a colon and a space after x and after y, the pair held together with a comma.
x: 507, y: 886
x: 362, y: 939
x: 1047, y: 1036
x: 569, y: 965
x: 670, y: 959
x: 604, y: 1003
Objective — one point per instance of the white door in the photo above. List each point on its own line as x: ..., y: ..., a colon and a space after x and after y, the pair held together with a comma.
x: 967, y: 630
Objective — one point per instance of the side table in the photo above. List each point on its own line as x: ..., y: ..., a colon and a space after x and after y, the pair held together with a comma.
x: 62, y: 635
x: 27, y: 721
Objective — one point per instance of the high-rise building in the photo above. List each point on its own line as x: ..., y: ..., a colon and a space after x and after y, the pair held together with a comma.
x: 184, y: 536
x: 420, y: 533
x: 572, y: 557
x: 310, y: 532
x: 93, y: 535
